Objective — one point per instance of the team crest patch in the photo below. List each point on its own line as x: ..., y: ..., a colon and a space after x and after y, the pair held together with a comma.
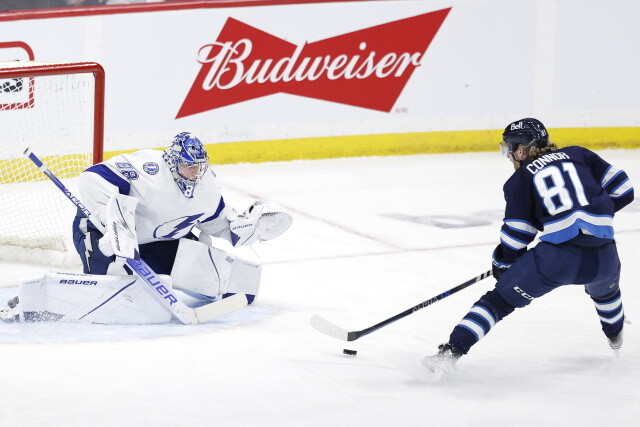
x: 151, y: 168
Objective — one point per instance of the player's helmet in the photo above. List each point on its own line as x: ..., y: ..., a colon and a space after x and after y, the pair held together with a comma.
x: 186, y: 152
x: 528, y: 132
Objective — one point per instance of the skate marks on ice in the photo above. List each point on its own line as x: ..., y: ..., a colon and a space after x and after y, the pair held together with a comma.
x: 409, y: 363
x: 63, y: 332
x: 486, y: 376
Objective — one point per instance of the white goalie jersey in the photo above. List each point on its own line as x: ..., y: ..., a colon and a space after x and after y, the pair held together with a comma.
x: 140, y: 198
x: 163, y: 212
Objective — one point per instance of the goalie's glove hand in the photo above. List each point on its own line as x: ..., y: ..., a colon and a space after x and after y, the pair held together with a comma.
x: 498, y: 263
x: 263, y: 220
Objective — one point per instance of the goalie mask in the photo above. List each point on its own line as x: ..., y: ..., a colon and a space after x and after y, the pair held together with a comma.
x: 187, y: 160
x: 528, y: 132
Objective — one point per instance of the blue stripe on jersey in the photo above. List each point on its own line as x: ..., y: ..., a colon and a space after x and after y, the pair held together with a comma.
x: 111, y: 177
x: 617, y: 184
x: 515, y: 239
x: 521, y: 226
x: 523, y: 236
x: 217, y: 212
x: 621, y: 189
x: 611, y: 182
x: 566, y: 228
x: 610, y: 174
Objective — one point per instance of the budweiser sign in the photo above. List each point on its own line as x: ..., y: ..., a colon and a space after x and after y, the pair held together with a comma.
x: 366, y: 68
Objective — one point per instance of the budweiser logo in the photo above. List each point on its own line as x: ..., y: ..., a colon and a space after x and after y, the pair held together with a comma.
x: 368, y: 68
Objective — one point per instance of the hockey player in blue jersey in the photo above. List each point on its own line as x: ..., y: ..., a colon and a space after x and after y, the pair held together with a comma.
x: 570, y: 195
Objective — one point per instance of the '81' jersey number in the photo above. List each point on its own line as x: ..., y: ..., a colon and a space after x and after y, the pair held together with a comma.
x: 551, y: 186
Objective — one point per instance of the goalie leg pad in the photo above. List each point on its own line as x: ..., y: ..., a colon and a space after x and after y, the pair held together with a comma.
x: 245, y: 279
x: 91, y: 298
x: 207, y: 271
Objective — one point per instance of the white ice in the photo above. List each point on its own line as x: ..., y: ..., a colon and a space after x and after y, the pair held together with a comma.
x: 371, y: 237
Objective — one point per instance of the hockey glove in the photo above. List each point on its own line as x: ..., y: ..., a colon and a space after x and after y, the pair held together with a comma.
x: 498, y: 264
x: 263, y: 220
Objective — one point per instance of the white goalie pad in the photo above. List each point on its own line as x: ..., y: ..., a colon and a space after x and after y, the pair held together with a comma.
x: 203, y: 270
x: 91, y: 298
x: 120, y: 228
x: 262, y: 221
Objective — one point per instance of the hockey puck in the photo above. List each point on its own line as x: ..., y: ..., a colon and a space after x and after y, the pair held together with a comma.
x: 349, y: 352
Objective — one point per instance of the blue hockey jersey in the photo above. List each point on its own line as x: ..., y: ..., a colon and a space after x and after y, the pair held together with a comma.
x: 563, y: 193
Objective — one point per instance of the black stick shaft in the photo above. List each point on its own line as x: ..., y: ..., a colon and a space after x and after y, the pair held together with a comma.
x: 357, y: 334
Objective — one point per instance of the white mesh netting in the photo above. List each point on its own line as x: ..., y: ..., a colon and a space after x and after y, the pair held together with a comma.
x: 52, y: 115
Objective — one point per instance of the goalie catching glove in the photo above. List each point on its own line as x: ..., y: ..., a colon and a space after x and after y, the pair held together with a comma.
x: 263, y: 220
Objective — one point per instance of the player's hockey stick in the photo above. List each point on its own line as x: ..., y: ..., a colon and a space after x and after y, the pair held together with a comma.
x: 334, y: 331
x: 178, y: 308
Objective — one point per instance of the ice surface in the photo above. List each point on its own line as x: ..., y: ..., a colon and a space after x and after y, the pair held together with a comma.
x: 371, y: 237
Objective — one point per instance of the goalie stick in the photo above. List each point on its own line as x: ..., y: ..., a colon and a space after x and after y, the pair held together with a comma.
x: 178, y: 308
x: 328, y: 328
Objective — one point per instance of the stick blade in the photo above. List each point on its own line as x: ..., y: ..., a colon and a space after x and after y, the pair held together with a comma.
x: 328, y: 328
x: 220, y: 308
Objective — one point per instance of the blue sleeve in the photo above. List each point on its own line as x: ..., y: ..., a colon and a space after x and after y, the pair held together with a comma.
x: 614, y: 181
x: 111, y: 177
x: 518, y: 229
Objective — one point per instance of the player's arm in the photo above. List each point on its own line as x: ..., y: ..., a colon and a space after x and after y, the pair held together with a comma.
x: 613, y: 180
x: 99, y: 187
x: 517, y: 230
x: 216, y: 225
x: 96, y: 189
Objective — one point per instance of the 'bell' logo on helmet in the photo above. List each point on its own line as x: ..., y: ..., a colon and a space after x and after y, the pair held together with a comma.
x: 516, y: 126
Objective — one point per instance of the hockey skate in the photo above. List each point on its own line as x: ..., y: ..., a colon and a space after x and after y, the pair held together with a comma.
x: 615, y: 342
x: 10, y: 312
x: 442, y: 363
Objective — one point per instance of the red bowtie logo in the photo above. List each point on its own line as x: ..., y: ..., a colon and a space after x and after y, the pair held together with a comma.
x: 366, y: 68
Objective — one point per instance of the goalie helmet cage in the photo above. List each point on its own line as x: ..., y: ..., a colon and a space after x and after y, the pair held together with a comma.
x: 57, y: 110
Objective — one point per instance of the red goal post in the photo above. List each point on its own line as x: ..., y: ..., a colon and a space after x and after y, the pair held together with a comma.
x: 57, y: 110
x: 26, y: 70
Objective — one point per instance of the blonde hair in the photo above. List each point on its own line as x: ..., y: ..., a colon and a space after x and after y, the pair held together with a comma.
x: 535, y: 152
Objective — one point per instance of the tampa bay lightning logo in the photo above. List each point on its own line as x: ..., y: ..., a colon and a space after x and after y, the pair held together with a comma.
x: 177, y: 228
x: 151, y: 168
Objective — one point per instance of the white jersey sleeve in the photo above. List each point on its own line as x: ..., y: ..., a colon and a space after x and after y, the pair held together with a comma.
x: 218, y: 226
x: 95, y: 191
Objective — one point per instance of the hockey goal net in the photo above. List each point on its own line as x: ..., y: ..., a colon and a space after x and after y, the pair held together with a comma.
x: 57, y: 110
